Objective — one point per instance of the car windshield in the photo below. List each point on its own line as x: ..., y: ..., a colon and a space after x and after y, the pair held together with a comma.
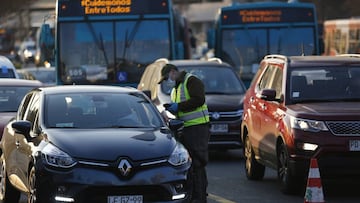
x: 10, y: 97
x: 99, y: 110
x: 217, y: 80
x: 325, y: 84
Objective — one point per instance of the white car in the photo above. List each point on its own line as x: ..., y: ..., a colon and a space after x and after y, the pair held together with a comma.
x: 7, y: 68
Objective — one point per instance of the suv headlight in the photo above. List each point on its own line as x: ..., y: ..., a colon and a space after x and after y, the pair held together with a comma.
x: 179, y: 156
x: 308, y: 125
x: 55, y: 157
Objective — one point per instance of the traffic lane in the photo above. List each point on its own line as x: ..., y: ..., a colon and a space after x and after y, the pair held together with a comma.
x: 228, y: 184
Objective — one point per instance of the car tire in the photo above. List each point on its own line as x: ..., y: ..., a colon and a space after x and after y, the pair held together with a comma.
x: 289, y: 183
x: 253, y: 169
x: 32, y: 195
x: 8, y: 194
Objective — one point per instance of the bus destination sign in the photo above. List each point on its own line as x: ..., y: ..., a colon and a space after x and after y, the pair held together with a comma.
x: 267, y: 15
x: 106, y: 6
x: 76, y: 8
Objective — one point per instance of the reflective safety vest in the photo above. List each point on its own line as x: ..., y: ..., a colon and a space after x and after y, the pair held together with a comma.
x: 199, y: 115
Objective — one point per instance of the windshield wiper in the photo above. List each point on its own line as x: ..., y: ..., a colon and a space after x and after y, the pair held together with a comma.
x: 128, y: 40
x: 99, y: 43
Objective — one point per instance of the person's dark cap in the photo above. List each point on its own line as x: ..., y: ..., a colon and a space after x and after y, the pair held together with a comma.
x: 165, y: 71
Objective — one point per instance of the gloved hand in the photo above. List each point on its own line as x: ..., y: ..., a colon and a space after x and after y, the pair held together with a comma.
x: 172, y: 107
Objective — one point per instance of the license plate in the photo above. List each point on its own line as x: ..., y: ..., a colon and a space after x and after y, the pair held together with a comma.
x: 125, y: 199
x: 219, y: 128
x: 354, y: 145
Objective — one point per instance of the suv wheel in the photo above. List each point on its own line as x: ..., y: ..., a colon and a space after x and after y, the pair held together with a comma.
x: 253, y: 169
x: 32, y: 195
x: 8, y: 194
x: 289, y: 183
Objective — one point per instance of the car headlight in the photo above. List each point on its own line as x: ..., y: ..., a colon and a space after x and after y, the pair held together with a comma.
x: 55, y: 157
x: 179, y: 156
x: 308, y: 125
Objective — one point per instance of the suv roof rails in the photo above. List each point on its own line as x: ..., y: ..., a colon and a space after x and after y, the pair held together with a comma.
x: 350, y: 55
x: 215, y: 59
x: 276, y: 56
x: 162, y: 59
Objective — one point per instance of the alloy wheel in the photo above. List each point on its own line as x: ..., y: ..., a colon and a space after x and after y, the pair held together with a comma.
x: 248, y: 155
x: 32, y: 185
x: 283, y: 165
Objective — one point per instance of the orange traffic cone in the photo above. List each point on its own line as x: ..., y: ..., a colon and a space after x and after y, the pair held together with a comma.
x: 314, y: 191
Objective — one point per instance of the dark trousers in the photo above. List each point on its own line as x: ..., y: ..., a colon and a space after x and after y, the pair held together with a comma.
x: 195, y: 139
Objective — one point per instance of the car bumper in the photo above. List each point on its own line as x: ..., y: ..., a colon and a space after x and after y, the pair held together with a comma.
x: 95, y: 185
x: 334, y: 156
x: 229, y: 138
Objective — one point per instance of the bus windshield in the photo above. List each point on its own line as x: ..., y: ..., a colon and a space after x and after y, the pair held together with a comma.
x: 244, y: 47
x: 246, y: 32
x: 110, y: 51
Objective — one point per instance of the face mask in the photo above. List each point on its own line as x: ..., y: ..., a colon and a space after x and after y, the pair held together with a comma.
x: 170, y: 82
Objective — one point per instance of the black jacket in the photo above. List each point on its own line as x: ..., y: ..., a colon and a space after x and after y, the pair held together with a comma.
x: 196, y: 91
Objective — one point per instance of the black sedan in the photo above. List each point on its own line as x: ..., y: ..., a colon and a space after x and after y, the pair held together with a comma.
x: 93, y: 144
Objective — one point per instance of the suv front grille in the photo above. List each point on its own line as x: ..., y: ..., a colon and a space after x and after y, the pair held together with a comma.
x: 226, y: 116
x: 344, y: 128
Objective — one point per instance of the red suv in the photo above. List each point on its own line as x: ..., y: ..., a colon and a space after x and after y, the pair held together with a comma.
x: 303, y: 107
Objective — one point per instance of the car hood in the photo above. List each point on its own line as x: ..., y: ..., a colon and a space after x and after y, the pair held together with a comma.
x: 327, y: 110
x: 217, y: 102
x: 110, y: 144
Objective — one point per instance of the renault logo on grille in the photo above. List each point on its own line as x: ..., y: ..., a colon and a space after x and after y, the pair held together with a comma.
x: 124, y: 167
x: 216, y: 115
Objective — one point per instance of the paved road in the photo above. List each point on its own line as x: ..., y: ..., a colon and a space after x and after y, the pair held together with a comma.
x: 228, y: 184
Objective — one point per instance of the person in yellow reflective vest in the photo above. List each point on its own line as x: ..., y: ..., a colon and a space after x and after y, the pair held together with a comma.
x: 188, y: 104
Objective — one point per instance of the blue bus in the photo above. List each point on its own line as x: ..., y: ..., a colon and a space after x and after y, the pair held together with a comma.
x: 111, y: 42
x: 245, y: 32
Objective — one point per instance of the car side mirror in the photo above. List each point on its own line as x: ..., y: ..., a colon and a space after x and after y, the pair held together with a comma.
x: 176, y: 124
x: 22, y: 127
x: 268, y: 94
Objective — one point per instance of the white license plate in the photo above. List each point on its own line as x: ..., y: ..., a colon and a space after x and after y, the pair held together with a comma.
x: 219, y: 128
x: 125, y: 199
x: 354, y: 145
